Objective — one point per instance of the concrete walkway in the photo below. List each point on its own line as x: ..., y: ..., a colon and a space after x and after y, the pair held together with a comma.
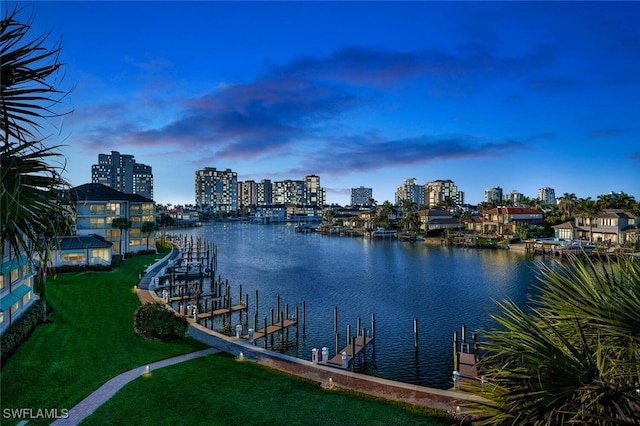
x: 88, y: 405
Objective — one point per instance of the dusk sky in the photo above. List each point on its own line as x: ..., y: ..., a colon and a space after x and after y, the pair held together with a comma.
x: 520, y: 95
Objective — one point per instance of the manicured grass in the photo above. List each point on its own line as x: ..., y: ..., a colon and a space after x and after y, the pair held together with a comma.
x: 219, y: 390
x: 87, y: 340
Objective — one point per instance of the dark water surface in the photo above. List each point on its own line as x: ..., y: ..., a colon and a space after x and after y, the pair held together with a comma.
x: 443, y: 287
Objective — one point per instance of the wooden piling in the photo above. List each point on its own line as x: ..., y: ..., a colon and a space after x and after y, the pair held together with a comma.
x: 415, y: 334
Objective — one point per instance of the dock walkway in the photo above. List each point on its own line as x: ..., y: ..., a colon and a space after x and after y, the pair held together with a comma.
x: 352, y: 351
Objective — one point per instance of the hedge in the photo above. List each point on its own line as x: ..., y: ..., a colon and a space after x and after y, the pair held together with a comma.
x: 20, y: 330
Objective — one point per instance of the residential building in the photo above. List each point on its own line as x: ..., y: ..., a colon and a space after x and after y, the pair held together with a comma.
x: 248, y: 194
x: 122, y: 172
x: 217, y: 190
x: 410, y: 191
x: 547, y: 195
x: 493, y: 195
x: 438, y: 219
x: 361, y: 197
x: 265, y: 192
x: 16, y: 285
x: 82, y: 250
x: 442, y: 192
x: 315, y: 195
x: 97, y: 205
x: 612, y: 226
x: 505, y: 220
x: 514, y: 198
x: 289, y: 192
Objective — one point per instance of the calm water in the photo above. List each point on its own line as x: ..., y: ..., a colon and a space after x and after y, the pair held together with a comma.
x: 442, y: 287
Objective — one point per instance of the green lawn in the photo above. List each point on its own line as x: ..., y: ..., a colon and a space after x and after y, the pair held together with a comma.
x: 218, y: 390
x: 89, y: 339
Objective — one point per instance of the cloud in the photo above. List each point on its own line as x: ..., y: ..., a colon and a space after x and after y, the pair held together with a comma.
x: 306, y: 99
x: 366, y: 154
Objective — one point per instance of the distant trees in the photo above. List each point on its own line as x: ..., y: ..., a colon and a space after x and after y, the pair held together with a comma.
x: 573, y: 355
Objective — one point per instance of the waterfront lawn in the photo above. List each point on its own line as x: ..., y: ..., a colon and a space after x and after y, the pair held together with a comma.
x: 219, y: 390
x: 88, y: 339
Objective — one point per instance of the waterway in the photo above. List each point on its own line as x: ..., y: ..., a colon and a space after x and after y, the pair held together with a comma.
x: 442, y: 287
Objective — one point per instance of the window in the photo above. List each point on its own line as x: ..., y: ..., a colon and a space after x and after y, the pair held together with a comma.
x: 1, y: 282
x: 113, y: 208
x: 1, y: 317
x: 113, y: 234
x: 135, y: 209
x: 15, y: 274
x: 26, y: 298
x: 15, y: 307
x: 101, y: 254
x: 73, y: 257
x: 96, y: 223
x: 96, y: 209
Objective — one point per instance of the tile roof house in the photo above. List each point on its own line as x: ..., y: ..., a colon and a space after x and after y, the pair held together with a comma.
x: 504, y: 220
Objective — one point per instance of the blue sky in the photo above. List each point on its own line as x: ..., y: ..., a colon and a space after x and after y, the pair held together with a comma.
x: 519, y: 95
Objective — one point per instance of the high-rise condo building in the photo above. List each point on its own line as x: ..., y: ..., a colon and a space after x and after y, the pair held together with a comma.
x: 121, y: 172
x: 265, y: 192
x: 515, y: 197
x: 410, y: 191
x: 217, y: 190
x: 547, y: 195
x: 361, y: 196
x: 493, y: 195
x: 315, y: 195
x: 289, y: 192
x: 440, y: 192
x: 248, y: 194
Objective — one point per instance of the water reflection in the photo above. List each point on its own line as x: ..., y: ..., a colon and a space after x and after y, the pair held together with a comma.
x: 442, y: 287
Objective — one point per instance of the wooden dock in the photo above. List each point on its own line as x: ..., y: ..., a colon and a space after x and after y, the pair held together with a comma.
x: 278, y: 327
x: 222, y: 311
x: 467, y: 366
x: 358, y: 344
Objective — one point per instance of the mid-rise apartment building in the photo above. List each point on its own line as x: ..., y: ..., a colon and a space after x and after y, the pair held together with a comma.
x: 216, y: 190
x: 123, y: 173
x: 515, y: 198
x: 289, y: 192
x: 96, y: 206
x: 247, y: 194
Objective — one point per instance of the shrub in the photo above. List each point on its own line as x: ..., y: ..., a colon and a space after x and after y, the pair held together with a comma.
x: 153, y: 321
x: 20, y: 330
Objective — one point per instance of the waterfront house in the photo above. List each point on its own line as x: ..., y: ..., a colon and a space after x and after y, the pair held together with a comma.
x: 505, y: 220
x: 97, y: 205
x: 612, y: 226
x: 16, y: 285
x: 438, y: 219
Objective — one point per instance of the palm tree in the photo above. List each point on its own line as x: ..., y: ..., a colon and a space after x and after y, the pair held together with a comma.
x: 123, y: 224
x: 567, y: 203
x: 31, y: 171
x: 31, y: 184
x: 573, y: 355
x: 589, y: 209
x: 147, y: 229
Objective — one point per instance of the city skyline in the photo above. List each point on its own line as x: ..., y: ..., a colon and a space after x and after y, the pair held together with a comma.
x: 521, y: 95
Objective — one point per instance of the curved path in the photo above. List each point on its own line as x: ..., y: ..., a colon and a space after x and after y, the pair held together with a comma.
x: 324, y: 375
